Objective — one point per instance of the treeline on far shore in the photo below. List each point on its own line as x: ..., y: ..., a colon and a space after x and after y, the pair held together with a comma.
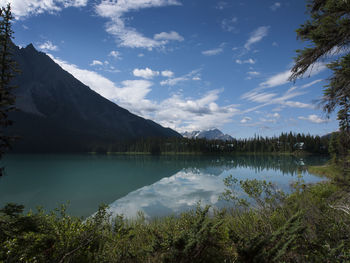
x: 284, y: 143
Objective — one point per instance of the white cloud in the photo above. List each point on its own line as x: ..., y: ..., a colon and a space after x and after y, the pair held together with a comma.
x: 271, y: 98
x: 273, y: 115
x: 173, y: 81
x: 168, y: 36
x: 131, y: 38
x: 229, y: 24
x: 277, y: 80
x: 264, y: 122
x: 213, y: 52
x: 127, y: 36
x: 115, y: 8
x: 24, y: 8
x: 167, y: 73
x: 111, y: 69
x: 48, y: 46
x: 115, y: 54
x: 141, y: 55
x: 140, y: 87
x: 221, y: 5
x: 146, y: 73
x: 259, y: 97
x: 247, y: 61
x: 105, y: 66
x: 312, y: 118
x: 96, y: 63
x: 311, y: 83
x: 282, y: 78
x: 253, y: 73
x: 245, y: 120
x: 269, y: 118
x: 297, y: 104
x: 186, y: 114
x: 275, y: 6
x: 256, y: 36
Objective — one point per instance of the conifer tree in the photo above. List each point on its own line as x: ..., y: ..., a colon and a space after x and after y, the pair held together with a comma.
x: 328, y: 31
x: 7, y: 71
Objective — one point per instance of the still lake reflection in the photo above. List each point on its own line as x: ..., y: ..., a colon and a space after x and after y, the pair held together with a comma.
x: 155, y: 185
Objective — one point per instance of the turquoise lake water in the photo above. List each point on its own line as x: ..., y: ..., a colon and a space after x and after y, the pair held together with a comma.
x: 155, y: 185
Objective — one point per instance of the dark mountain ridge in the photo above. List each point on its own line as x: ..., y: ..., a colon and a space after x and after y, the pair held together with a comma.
x: 58, y: 113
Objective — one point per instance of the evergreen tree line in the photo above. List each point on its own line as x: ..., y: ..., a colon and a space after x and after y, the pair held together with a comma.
x: 285, y: 143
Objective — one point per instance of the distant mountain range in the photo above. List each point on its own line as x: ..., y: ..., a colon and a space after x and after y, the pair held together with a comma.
x: 213, y: 134
x: 58, y: 113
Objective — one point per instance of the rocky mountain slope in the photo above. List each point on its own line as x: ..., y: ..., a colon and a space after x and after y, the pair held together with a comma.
x: 59, y: 113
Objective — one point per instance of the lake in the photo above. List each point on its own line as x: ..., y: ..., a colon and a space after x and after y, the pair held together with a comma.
x: 155, y: 185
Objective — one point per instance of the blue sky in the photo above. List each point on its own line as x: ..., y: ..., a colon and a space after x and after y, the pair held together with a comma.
x: 189, y: 65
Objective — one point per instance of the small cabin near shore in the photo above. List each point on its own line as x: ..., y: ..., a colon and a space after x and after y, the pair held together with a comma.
x: 299, y: 146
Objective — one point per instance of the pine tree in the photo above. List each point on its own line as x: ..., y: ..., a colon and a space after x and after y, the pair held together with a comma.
x: 328, y: 30
x: 7, y: 71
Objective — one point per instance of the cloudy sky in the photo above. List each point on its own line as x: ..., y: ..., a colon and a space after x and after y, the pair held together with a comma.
x: 189, y: 65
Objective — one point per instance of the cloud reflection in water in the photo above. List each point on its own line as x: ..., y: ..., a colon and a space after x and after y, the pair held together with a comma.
x: 183, y: 190
x: 171, y: 195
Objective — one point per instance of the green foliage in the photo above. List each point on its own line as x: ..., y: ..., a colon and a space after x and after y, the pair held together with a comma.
x: 331, y: 171
x: 327, y: 30
x: 194, y: 237
x: 334, y: 147
x: 260, y: 193
x: 338, y: 91
x: 302, y: 227
x: 51, y: 237
x: 280, y: 244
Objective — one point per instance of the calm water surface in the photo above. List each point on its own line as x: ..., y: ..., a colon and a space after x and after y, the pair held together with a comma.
x: 155, y: 185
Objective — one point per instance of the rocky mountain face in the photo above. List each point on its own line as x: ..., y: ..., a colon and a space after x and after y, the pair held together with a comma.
x: 213, y: 134
x: 58, y: 113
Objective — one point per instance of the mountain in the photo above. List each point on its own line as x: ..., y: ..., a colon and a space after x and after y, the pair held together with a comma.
x: 213, y: 134
x: 329, y: 135
x: 58, y: 113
